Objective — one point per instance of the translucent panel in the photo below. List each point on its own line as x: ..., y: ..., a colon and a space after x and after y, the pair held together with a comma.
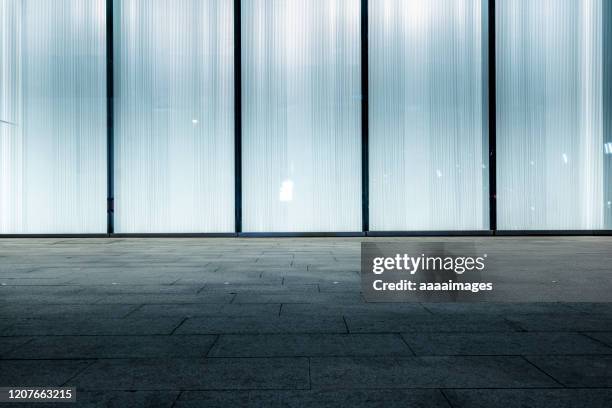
x: 550, y: 129
x: 174, y: 116
x: 301, y: 115
x: 428, y: 138
x: 52, y: 116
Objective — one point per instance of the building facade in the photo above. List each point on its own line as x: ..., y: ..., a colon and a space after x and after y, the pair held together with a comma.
x: 292, y: 116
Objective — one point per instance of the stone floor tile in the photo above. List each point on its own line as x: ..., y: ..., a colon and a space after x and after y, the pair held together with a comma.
x: 7, y: 344
x: 569, y: 322
x: 84, y: 326
x: 213, y: 310
x: 441, y: 344
x: 577, y: 371
x: 281, y: 345
x: 65, y: 311
x: 184, y: 374
x: 425, y: 372
x: 170, y: 298
x: 544, y: 398
x: 40, y: 373
x: 261, y: 325
x: 301, y: 297
x: 407, y: 323
x: 314, y: 399
x: 79, y: 347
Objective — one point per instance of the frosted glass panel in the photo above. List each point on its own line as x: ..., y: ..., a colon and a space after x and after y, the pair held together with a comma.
x: 550, y: 128
x: 428, y: 137
x: 174, y: 116
x: 52, y: 116
x: 301, y: 115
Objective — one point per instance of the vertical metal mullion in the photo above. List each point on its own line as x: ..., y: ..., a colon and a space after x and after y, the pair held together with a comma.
x: 110, y: 93
x: 607, y: 111
x: 238, y: 114
x: 365, y: 121
x: 492, y: 108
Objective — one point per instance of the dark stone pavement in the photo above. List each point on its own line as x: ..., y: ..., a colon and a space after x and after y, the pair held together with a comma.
x: 281, y: 323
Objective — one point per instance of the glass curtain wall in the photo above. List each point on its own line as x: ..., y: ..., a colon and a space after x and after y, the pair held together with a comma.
x: 550, y: 135
x: 174, y: 116
x: 428, y: 137
x: 52, y: 116
x: 301, y: 80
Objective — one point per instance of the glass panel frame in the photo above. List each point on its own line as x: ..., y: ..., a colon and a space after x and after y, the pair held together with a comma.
x: 550, y: 143
x: 428, y: 139
x: 301, y: 136
x: 174, y: 116
x: 53, y: 125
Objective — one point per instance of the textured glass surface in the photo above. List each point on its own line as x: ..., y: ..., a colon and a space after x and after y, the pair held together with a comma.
x: 549, y: 114
x: 301, y: 115
x: 428, y: 139
x: 52, y: 116
x: 174, y: 116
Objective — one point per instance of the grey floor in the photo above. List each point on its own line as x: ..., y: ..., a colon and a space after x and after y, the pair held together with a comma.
x: 281, y: 322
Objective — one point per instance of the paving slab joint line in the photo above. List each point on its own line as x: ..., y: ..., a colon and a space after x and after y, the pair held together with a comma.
x: 133, y: 310
x: 345, y: 324
x: 427, y: 309
x: 544, y: 372
x: 401, y: 336
x: 212, y: 346
x: 176, y: 399
x: 596, y: 340
x: 448, y: 401
x: 179, y: 325
x: 15, y: 347
x: 309, y: 376
x: 79, y: 372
